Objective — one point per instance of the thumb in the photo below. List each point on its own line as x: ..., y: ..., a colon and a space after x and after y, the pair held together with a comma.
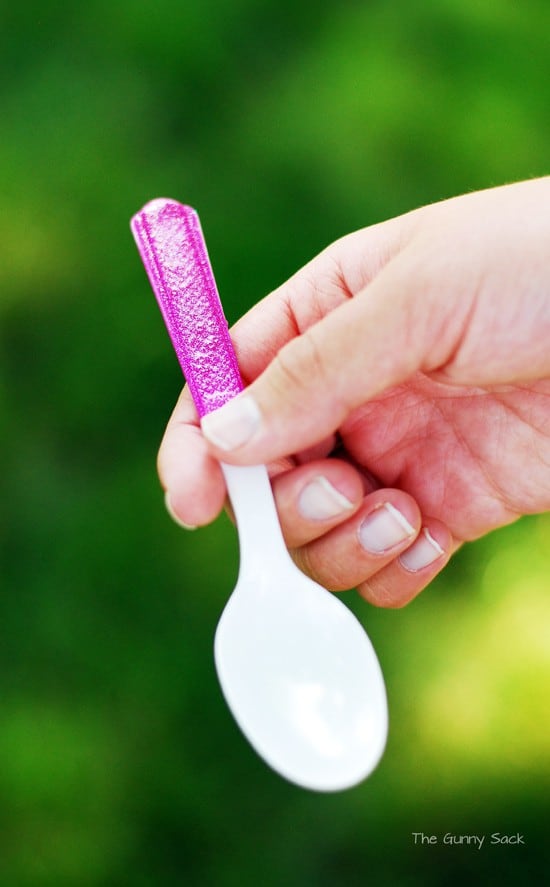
x: 374, y: 340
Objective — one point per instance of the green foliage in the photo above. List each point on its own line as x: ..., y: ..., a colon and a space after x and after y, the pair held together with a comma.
x: 286, y: 125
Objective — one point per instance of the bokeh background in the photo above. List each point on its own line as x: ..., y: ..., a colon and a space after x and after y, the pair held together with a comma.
x: 286, y: 124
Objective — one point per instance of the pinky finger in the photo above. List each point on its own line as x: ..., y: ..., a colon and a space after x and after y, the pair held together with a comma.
x: 406, y: 576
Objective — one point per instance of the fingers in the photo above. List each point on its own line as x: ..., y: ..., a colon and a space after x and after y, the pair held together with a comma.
x: 390, y: 576
x: 343, y: 538
x: 387, y: 522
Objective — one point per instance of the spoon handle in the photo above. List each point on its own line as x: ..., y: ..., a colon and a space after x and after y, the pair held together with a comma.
x: 171, y: 244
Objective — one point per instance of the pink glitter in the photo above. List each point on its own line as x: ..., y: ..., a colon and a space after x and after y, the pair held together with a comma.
x: 171, y: 244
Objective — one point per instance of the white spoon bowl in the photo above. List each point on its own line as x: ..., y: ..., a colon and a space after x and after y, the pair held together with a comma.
x: 295, y: 665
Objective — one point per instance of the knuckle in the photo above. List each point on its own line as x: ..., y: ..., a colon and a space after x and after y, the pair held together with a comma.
x: 315, y: 290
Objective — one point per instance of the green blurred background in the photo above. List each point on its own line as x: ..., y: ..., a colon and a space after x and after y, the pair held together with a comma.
x: 286, y: 124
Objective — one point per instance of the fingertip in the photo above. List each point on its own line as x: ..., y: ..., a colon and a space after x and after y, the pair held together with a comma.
x: 266, y: 423
x: 412, y: 571
x: 233, y: 425
x: 424, y: 553
x: 173, y: 513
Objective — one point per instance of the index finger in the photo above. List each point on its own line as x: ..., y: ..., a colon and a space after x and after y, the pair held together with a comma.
x: 335, y: 275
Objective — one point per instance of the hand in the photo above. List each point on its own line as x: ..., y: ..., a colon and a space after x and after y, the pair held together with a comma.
x: 399, y: 388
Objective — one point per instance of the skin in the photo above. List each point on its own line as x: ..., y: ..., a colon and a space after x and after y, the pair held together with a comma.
x: 409, y: 364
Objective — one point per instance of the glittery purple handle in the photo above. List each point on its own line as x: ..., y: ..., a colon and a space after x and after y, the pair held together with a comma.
x: 171, y: 244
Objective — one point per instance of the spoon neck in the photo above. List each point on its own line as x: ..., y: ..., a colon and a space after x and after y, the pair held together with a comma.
x: 261, y: 540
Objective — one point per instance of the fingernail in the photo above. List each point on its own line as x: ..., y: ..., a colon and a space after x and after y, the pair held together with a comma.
x: 233, y: 424
x: 384, y: 528
x: 173, y: 514
x: 319, y: 500
x: 424, y: 551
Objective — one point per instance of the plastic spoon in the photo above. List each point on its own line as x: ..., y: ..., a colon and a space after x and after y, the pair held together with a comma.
x: 295, y: 665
